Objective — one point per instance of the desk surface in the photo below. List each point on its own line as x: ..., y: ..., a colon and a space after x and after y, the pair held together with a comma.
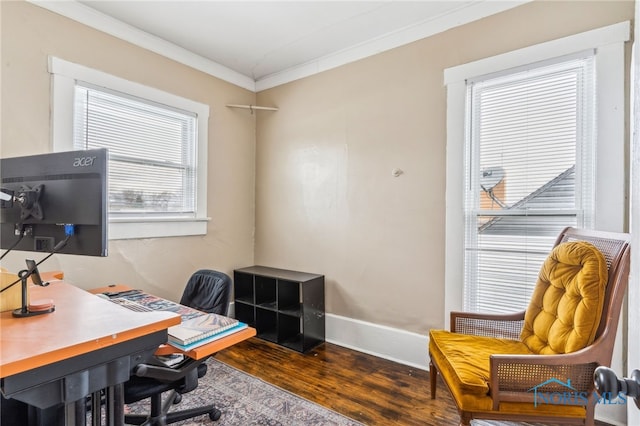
x: 81, y: 323
x: 198, y: 352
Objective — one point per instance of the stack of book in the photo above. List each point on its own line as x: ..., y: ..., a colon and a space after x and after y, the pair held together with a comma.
x: 202, y: 329
x: 197, y: 327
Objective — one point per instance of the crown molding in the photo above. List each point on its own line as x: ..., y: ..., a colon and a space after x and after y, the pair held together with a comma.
x: 92, y: 18
x: 465, y: 14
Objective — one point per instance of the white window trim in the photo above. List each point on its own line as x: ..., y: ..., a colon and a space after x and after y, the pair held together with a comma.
x: 64, y: 75
x: 610, y: 136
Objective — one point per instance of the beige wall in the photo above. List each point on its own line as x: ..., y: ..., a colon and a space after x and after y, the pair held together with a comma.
x: 29, y: 35
x: 326, y: 199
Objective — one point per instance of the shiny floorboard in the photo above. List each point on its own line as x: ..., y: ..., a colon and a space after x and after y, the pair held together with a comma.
x: 366, y: 388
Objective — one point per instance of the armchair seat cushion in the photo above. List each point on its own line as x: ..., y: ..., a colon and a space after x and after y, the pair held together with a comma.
x: 463, y: 360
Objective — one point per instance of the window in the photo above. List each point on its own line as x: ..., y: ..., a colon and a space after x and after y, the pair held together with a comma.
x: 569, y: 171
x: 157, y: 149
x: 152, y: 151
x: 529, y: 175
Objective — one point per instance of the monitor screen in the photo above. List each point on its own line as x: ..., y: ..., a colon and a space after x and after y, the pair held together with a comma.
x: 50, y: 196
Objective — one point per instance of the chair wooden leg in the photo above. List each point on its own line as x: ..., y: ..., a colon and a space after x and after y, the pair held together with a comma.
x: 433, y: 378
x: 465, y: 418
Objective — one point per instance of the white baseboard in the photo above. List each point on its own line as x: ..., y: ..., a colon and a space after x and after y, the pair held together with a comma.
x: 396, y: 345
x: 385, y: 342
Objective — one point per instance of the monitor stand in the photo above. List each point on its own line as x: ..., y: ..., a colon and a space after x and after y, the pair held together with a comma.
x: 38, y: 307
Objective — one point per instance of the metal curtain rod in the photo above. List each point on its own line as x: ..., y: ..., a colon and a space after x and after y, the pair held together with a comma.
x: 252, y: 107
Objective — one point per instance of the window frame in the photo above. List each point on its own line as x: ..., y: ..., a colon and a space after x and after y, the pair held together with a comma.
x: 64, y: 76
x: 479, y: 248
x: 610, y: 205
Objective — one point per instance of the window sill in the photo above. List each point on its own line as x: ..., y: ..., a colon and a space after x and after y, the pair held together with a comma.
x: 121, y: 229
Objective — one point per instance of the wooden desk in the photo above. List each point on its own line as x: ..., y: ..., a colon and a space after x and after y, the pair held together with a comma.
x: 53, y: 361
x: 81, y: 323
x: 85, y: 345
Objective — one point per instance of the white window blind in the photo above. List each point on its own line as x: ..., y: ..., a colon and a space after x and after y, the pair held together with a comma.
x: 152, y: 148
x: 529, y: 173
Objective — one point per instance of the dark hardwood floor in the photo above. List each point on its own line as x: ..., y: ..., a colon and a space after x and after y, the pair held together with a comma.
x: 363, y: 387
x: 366, y: 388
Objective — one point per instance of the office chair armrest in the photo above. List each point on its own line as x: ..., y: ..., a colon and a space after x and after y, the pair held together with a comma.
x: 167, y: 374
x: 167, y: 350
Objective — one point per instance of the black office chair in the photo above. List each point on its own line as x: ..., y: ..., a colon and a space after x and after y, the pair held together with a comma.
x: 208, y: 291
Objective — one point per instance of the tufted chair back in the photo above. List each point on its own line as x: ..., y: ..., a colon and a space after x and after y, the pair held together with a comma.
x: 568, y: 300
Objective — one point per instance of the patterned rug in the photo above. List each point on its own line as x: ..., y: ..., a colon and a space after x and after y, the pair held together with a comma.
x: 247, y: 400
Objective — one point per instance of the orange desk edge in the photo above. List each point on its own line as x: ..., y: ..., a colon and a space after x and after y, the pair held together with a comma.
x: 80, y: 324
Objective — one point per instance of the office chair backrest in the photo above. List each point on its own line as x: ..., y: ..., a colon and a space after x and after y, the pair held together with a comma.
x: 208, y: 291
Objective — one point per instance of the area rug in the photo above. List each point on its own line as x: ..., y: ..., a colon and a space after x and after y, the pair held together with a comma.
x: 247, y: 400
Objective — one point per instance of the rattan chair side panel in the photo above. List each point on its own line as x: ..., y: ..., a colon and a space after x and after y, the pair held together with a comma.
x: 518, y: 377
x: 489, y: 327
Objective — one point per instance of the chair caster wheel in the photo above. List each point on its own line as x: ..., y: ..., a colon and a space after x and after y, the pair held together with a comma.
x: 177, y: 398
x: 215, y: 414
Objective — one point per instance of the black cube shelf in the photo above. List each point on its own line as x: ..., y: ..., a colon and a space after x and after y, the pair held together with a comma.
x: 285, y: 307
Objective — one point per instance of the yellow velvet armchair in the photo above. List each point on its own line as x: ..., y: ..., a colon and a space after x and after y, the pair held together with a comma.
x: 538, y: 365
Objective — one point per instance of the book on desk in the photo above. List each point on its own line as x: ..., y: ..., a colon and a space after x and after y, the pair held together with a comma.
x: 200, y: 327
x: 197, y: 327
x: 203, y: 340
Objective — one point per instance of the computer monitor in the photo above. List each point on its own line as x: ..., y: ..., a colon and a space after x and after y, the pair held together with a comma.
x: 51, y: 196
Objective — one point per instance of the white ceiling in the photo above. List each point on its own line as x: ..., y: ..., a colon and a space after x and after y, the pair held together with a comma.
x: 260, y: 44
